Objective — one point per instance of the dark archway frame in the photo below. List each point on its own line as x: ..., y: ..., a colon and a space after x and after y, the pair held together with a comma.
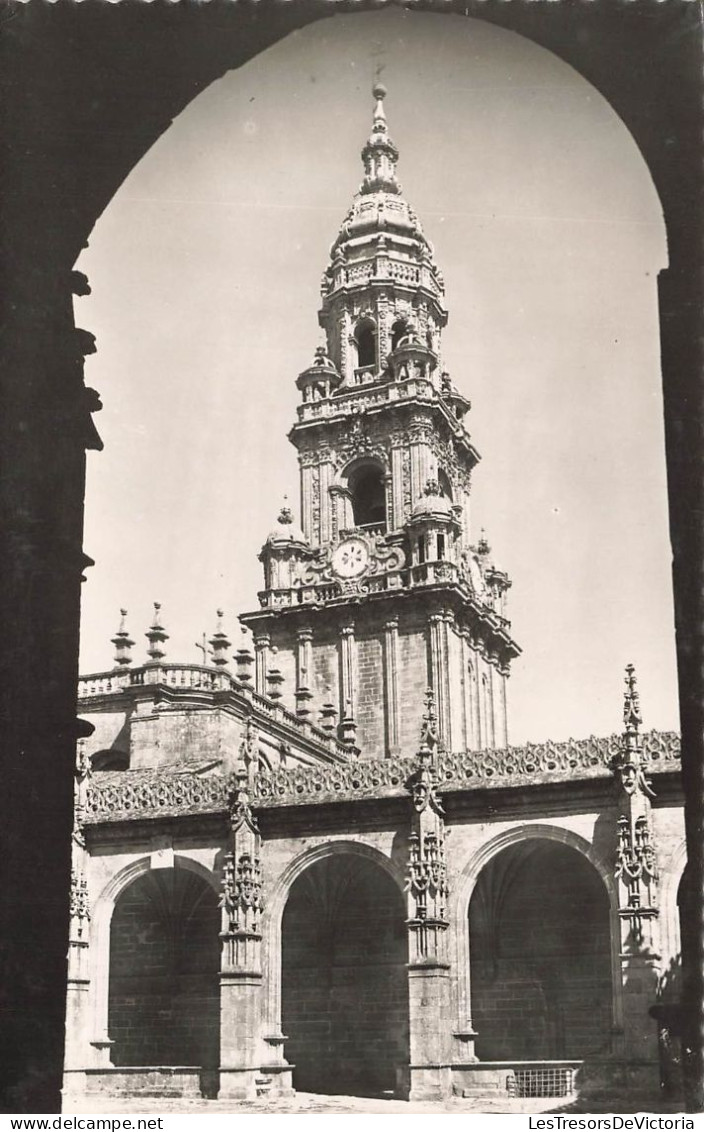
x: 88, y: 89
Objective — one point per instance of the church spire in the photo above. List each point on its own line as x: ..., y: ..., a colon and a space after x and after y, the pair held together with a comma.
x: 379, y: 154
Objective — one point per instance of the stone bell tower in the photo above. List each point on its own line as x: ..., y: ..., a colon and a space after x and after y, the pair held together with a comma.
x: 383, y: 590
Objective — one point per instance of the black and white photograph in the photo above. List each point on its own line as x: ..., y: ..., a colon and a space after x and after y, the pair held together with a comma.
x: 352, y: 497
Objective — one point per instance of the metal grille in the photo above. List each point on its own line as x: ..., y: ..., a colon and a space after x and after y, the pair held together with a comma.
x: 542, y: 1082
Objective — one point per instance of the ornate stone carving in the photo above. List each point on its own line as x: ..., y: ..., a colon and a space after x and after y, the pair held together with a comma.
x: 79, y: 905
x: 426, y: 872
x: 383, y: 559
x: 127, y: 796
x: 241, y: 895
x: 635, y: 861
x: 131, y: 795
x: 427, y: 875
x: 249, y: 745
x: 635, y: 866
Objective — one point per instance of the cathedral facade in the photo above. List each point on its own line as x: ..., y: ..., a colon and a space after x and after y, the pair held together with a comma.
x: 314, y: 861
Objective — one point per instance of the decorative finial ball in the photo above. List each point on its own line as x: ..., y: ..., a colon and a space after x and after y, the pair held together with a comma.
x: 379, y: 90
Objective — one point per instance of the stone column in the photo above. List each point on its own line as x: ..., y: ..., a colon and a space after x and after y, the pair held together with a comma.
x: 468, y: 694
x: 636, y: 876
x: 398, y: 518
x: 341, y: 505
x: 307, y: 472
x: 393, y: 722
x: 241, y: 963
x: 262, y: 641
x: 76, y: 1056
x: 503, y: 677
x: 325, y: 501
x: 347, y: 682
x: 304, y: 671
x: 428, y: 967
x: 492, y: 725
x: 419, y: 460
x: 440, y: 672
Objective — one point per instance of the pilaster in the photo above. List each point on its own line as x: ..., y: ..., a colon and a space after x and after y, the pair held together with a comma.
x: 393, y: 721
x: 262, y: 643
x: 636, y: 875
x: 76, y: 1052
x: 467, y: 661
x: 428, y: 966
x: 397, y: 493
x: 348, y: 691
x: 304, y: 671
x: 325, y: 502
x: 241, y: 940
x: 440, y: 670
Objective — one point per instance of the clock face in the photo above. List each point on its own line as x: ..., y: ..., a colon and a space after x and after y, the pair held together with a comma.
x: 351, y: 558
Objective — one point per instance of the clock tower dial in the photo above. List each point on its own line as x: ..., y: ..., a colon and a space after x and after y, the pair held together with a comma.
x: 351, y: 558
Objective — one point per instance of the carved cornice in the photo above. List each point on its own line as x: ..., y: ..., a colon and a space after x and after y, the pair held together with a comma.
x: 138, y: 795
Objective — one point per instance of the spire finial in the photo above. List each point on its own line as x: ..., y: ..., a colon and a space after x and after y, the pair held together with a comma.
x: 631, y: 702
x: 379, y: 154
x: 122, y: 642
x: 220, y: 643
x: 379, y: 93
x: 156, y: 635
x: 285, y: 514
x: 429, y: 726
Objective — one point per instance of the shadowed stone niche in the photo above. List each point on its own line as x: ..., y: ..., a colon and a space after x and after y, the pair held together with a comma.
x: 164, y: 1005
x: 540, y: 955
x: 344, y: 984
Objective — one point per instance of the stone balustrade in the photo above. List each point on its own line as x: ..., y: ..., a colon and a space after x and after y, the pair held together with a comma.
x: 200, y: 678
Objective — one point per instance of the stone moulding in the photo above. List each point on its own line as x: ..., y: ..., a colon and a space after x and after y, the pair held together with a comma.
x: 139, y: 795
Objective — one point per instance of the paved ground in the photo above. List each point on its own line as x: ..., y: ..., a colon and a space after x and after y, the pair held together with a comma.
x: 315, y: 1103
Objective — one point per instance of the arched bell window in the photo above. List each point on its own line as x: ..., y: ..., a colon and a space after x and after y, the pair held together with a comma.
x: 365, y: 338
x: 368, y: 491
x: 399, y: 328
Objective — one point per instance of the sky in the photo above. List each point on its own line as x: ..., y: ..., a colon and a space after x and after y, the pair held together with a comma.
x: 205, y: 272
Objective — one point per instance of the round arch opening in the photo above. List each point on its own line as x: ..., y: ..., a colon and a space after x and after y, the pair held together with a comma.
x: 164, y: 996
x: 368, y: 491
x: 540, y: 955
x: 344, y: 989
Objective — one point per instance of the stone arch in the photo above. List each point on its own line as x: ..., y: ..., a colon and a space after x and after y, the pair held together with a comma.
x: 365, y: 340
x: 367, y: 486
x: 466, y: 884
x: 276, y: 902
x: 344, y: 982
x: 99, y: 950
x: 670, y: 915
